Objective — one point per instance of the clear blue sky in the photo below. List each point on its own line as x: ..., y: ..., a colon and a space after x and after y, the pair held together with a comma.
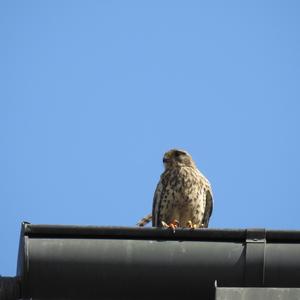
x: 94, y: 92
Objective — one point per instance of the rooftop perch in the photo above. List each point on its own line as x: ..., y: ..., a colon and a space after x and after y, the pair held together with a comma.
x: 86, y: 262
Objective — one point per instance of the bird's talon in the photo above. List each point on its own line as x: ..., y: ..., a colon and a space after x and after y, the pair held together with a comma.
x: 173, y: 225
x: 164, y: 224
x: 191, y: 225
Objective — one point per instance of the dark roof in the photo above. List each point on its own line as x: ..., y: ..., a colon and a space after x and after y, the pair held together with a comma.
x: 89, y: 262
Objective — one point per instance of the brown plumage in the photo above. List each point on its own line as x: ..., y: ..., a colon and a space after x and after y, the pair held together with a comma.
x: 182, y: 194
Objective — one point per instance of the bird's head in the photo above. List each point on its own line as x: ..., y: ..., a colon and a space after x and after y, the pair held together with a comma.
x: 177, y: 158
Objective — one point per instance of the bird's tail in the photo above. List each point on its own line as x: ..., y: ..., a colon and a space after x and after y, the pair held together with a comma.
x: 144, y: 221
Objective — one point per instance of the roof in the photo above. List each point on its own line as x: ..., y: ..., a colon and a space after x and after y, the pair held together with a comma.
x: 89, y: 262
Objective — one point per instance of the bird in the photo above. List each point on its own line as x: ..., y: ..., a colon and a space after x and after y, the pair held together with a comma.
x: 183, y: 196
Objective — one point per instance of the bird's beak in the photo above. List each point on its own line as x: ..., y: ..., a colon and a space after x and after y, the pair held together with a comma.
x: 165, y: 160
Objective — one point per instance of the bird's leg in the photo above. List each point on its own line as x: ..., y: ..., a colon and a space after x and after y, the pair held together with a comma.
x: 191, y: 225
x: 173, y: 225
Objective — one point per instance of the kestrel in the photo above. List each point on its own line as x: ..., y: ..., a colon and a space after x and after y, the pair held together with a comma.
x: 183, y: 196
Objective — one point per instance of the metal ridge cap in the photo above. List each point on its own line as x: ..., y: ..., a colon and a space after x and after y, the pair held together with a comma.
x: 119, y: 232
x: 281, y: 236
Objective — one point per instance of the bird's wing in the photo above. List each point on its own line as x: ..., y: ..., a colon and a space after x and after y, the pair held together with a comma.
x: 208, y: 207
x: 156, y: 205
